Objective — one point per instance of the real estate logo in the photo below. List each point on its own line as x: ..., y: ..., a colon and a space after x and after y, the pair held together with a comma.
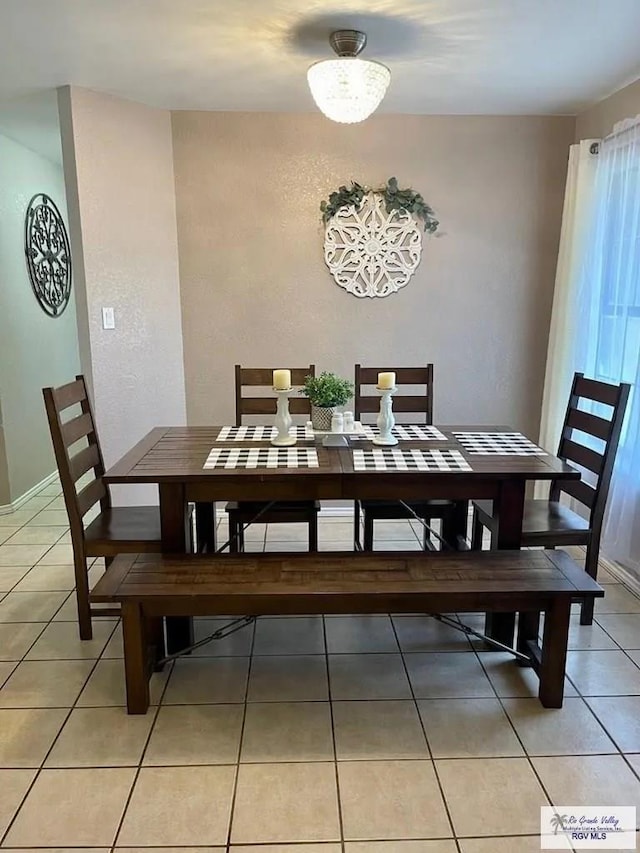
x: 588, y: 828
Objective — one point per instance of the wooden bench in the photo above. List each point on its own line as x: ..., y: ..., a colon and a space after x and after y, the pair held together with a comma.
x: 529, y: 582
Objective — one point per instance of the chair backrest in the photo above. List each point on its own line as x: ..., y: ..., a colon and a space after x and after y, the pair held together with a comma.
x: 262, y: 377
x: 578, y: 451
x: 77, y: 452
x: 420, y: 406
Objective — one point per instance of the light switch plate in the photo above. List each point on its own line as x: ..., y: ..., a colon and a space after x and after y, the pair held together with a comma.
x: 108, y: 318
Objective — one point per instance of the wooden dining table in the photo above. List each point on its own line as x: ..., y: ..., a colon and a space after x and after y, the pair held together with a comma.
x: 174, y: 459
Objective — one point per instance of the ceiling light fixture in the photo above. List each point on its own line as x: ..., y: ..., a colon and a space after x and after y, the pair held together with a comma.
x: 348, y: 89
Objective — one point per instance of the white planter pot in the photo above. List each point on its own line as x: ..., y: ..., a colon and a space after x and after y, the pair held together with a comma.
x: 321, y: 417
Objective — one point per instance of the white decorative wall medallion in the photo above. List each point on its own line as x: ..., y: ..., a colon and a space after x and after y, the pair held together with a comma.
x: 369, y: 251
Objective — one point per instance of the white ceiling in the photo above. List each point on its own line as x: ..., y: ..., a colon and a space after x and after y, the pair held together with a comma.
x: 446, y: 56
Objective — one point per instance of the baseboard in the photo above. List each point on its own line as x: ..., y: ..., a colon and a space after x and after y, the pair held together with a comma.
x: 622, y: 574
x: 5, y: 509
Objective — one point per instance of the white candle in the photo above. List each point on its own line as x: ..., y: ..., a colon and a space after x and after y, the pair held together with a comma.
x: 282, y: 380
x: 387, y: 380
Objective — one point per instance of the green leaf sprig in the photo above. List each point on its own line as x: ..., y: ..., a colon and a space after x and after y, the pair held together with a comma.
x: 394, y: 199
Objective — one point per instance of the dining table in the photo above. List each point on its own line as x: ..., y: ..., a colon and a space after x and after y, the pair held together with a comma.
x: 205, y: 464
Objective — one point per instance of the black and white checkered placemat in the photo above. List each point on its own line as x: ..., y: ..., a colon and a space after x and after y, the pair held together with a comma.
x: 408, y: 459
x: 405, y: 432
x: 261, y: 433
x: 262, y: 457
x: 499, y: 443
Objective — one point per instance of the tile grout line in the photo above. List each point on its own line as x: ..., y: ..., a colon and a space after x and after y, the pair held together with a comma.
x: 424, y: 732
x: 333, y: 735
x: 234, y: 792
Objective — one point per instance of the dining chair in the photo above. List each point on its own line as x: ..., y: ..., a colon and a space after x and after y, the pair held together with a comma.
x: 419, y: 407
x: 589, y: 442
x: 248, y: 404
x: 114, y: 530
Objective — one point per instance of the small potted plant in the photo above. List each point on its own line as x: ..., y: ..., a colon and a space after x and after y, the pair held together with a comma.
x: 326, y: 392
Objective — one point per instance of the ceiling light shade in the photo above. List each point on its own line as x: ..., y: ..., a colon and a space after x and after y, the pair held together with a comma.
x: 348, y: 89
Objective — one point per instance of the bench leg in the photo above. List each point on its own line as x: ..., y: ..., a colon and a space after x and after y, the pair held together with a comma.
x: 554, y: 653
x: 205, y: 527
x: 135, y: 658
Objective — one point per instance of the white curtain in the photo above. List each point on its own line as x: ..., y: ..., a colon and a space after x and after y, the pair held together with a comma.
x: 607, y: 340
x: 561, y: 353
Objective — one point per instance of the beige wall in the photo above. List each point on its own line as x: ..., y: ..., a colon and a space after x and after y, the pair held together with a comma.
x: 120, y: 186
x: 598, y: 121
x: 36, y: 350
x: 255, y: 288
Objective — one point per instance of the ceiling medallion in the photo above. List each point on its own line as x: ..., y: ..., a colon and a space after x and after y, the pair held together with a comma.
x: 348, y: 89
x: 48, y: 256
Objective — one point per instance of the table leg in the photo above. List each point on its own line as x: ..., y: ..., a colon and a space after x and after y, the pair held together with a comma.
x: 454, y: 526
x: 555, y: 640
x: 136, y: 665
x: 205, y: 527
x: 509, y: 507
x: 173, y: 522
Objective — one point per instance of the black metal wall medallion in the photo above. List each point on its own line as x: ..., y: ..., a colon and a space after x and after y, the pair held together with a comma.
x: 46, y: 248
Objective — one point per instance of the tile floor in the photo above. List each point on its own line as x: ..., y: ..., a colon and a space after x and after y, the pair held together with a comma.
x: 357, y: 734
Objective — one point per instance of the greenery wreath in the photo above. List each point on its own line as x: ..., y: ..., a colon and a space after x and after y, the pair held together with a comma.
x: 394, y: 199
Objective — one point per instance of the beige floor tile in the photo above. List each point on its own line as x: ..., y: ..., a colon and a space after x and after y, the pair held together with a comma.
x: 72, y: 807
x: 17, y: 518
x: 166, y: 850
x: 281, y: 546
x: 67, y: 850
x: 457, y: 728
x: 204, y: 680
x: 30, y: 606
x: 521, y: 844
x: 425, y: 634
x: 603, y: 780
x: 101, y: 737
x: 335, y: 545
x: 36, y: 535
x: 447, y: 675
x: 570, y: 730
x: 355, y: 634
x: 624, y: 628
x: 7, y: 531
x: 14, y: 784
x: 50, y: 518
x: 237, y: 644
x: 106, y: 687
x: 45, y: 684
x: 397, y: 545
x: 378, y: 730
x: 617, y: 599
x: 391, y: 799
x: 58, y: 555
x: 69, y: 610
x: 511, y: 680
x: 114, y: 648
x: 253, y: 533
x: 288, y: 679
x: 620, y: 715
x: 287, y: 532
x: 198, y: 734
x: 401, y: 847
x: 289, y: 636
x: 370, y: 676
x: 586, y: 637
x: 60, y: 641
x: 27, y: 734
x: 6, y: 668
x: 10, y: 576
x: 17, y: 638
x: 393, y: 530
x: 285, y: 802
x: 603, y: 673
x: 44, y: 578
x: 290, y: 848
x: 476, y: 791
x: 287, y: 731
x: 200, y: 804
x: 39, y: 501
x: 21, y: 555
